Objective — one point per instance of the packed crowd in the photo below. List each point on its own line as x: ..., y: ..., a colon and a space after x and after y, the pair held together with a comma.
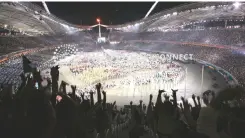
x: 10, y: 44
x: 49, y: 111
x: 230, y: 37
x: 120, y: 59
x: 124, y: 67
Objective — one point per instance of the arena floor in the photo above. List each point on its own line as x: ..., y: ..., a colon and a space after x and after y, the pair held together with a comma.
x: 123, y: 94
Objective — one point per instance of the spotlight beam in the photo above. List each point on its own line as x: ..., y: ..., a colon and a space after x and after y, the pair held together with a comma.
x: 151, y: 9
x: 46, y: 7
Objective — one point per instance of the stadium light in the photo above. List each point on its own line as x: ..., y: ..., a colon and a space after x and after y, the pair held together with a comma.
x: 237, y: 4
x: 98, y: 20
x: 45, y: 7
x: 151, y: 9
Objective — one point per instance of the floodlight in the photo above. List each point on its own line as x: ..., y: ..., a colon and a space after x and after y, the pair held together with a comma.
x: 98, y: 20
x: 237, y: 4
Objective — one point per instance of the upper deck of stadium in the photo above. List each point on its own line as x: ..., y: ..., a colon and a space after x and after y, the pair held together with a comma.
x: 188, y: 14
x: 31, y: 18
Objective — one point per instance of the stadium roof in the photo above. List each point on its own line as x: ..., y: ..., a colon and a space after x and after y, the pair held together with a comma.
x: 32, y: 19
x: 177, y: 18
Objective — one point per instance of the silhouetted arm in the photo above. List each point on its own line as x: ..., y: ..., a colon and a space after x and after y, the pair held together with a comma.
x: 187, y: 113
x: 73, y: 88
x: 104, y: 99
x: 63, y: 87
x: 98, y: 87
x: 149, y: 113
x: 159, y: 98
x: 82, y: 96
x: 91, y: 98
x: 194, y: 100
x: 199, y: 101
x: 141, y: 106
x: 174, y: 98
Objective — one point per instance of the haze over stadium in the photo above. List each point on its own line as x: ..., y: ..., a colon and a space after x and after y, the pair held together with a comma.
x: 192, y: 48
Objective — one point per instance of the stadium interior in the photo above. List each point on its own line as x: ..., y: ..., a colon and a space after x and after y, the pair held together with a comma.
x: 193, y: 53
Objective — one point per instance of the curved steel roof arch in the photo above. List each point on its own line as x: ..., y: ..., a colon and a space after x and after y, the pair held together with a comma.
x: 184, y: 14
x: 31, y: 18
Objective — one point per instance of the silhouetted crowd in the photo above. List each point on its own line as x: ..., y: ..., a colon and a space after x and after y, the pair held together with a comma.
x: 40, y: 110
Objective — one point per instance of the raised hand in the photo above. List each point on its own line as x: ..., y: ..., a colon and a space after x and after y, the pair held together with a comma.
x: 63, y: 86
x: 73, y: 94
x: 141, y: 101
x: 181, y: 105
x: 161, y: 91
x: 193, y: 96
x: 166, y: 97
x: 73, y: 87
x: 64, y: 83
x: 103, y: 92
x: 194, y: 100
x: 187, y: 112
x: 199, y: 102
x: 98, y: 86
x: 182, y: 99
x: 207, y: 92
x: 174, y: 90
x: 91, y: 97
x: 198, y: 98
x: 151, y: 96
x: 174, y: 98
x: 185, y: 104
x: 131, y: 103
x: 159, y: 98
x: 111, y: 107
x: 104, y: 99
x: 114, y: 103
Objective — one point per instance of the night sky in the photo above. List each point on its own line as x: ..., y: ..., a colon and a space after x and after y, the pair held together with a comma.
x: 85, y: 13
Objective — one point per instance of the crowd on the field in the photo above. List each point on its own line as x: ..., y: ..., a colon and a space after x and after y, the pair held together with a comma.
x: 49, y: 111
x: 230, y: 60
x: 145, y: 68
